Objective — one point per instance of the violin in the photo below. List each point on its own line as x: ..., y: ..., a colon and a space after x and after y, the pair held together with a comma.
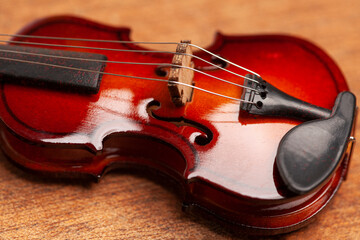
x: 257, y: 131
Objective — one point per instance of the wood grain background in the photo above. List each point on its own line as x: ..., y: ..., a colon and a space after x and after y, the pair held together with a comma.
x: 128, y: 206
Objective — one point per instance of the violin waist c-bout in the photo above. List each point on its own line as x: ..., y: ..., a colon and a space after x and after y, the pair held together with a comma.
x: 256, y: 130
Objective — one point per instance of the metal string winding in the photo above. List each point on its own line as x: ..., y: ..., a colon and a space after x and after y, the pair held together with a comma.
x: 133, y: 63
x: 119, y: 62
x: 127, y: 76
x: 133, y: 42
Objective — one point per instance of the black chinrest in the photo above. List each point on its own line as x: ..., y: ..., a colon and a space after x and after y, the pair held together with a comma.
x: 310, y: 152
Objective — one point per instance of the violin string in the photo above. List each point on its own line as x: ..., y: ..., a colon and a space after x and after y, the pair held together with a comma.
x: 232, y: 63
x: 127, y: 76
x: 85, y: 47
x: 129, y: 50
x: 134, y: 63
x: 85, y: 39
x: 132, y: 42
x: 221, y: 68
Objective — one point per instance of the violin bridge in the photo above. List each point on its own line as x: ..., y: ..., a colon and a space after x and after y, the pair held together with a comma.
x: 181, y: 94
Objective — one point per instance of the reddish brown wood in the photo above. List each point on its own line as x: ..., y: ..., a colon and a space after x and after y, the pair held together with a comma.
x: 231, y: 177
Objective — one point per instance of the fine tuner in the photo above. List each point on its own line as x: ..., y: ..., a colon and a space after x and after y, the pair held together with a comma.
x: 242, y: 150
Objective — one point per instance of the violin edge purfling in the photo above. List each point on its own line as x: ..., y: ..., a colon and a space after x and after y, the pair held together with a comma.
x: 46, y: 139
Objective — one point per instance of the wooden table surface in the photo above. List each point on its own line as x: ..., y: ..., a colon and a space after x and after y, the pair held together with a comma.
x: 128, y: 206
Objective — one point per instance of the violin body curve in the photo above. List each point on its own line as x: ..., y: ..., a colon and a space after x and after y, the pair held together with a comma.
x: 222, y: 159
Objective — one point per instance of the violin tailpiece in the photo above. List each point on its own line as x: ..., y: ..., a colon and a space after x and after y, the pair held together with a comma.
x: 267, y: 100
x: 180, y: 94
x: 250, y: 174
x: 309, y: 153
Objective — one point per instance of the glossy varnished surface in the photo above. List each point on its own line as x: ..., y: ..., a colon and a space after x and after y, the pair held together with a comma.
x: 230, y: 173
x: 344, y: 185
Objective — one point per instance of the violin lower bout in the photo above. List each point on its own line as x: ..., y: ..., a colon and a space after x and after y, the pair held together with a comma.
x: 200, y: 196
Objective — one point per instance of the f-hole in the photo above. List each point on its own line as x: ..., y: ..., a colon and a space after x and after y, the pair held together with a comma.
x: 203, y: 139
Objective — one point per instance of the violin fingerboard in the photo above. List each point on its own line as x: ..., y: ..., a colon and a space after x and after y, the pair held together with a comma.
x: 58, y: 69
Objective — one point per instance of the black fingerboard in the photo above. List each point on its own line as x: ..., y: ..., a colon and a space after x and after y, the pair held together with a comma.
x: 58, y: 69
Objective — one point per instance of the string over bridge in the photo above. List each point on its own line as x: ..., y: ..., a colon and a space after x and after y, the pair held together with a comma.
x: 180, y: 94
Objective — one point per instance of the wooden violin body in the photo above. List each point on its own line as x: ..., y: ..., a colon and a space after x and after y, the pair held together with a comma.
x: 222, y: 159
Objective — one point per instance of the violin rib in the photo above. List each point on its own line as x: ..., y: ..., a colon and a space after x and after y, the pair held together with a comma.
x: 222, y: 159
